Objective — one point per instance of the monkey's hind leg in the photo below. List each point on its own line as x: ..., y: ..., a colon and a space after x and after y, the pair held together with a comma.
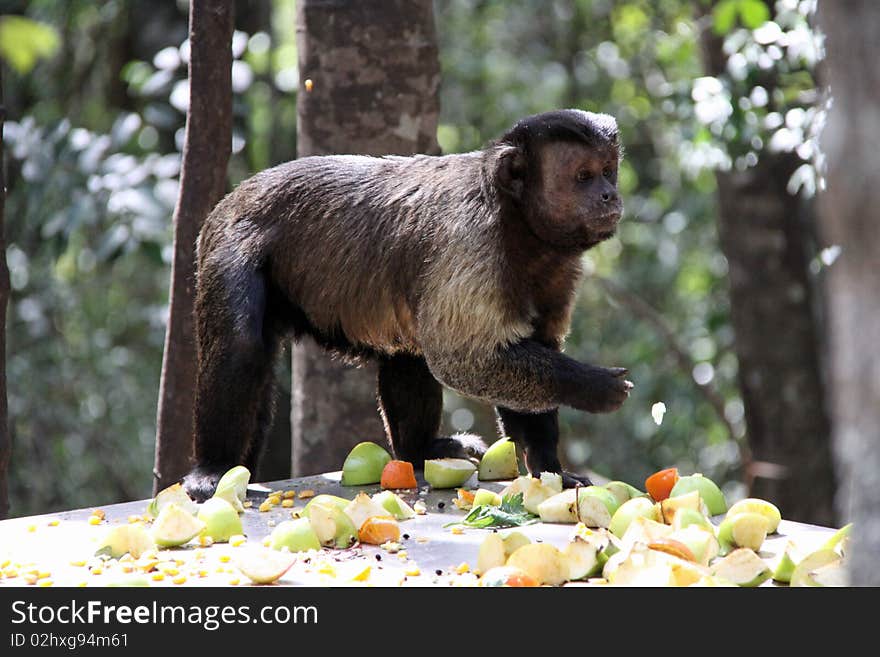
x: 538, y: 435
x: 234, y: 378
x: 411, y: 403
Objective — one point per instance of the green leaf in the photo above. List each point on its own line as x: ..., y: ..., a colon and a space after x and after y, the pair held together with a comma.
x: 511, y: 513
x: 23, y: 42
x: 724, y: 16
x: 753, y: 13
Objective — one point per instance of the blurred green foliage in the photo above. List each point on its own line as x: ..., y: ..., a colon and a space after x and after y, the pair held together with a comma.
x: 93, y: 150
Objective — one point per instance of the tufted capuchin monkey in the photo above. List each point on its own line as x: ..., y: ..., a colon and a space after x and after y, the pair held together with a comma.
x: 458, y: 270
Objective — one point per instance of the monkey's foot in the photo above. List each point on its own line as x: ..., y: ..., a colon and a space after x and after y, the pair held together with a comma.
x: 201, y: 482
x: 572, y: 480
x: 459, y: 446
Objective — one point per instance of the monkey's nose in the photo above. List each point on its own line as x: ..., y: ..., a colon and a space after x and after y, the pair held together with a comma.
x: 607, y: 197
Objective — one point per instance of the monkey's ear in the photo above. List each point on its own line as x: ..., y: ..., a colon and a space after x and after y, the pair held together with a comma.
x: 510, y: 171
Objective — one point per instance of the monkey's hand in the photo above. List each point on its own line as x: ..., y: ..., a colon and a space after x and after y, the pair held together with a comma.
x: 604, y: 390
x: 201, y: 482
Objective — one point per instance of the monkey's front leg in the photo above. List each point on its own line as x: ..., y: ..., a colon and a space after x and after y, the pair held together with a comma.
x: 538, y: 435
x: 530, y: 377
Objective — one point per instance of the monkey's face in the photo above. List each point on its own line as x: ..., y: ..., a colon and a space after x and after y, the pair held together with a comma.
x: 577, y: 203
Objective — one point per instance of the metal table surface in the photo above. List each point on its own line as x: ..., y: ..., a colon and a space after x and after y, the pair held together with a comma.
x: 62, y: 544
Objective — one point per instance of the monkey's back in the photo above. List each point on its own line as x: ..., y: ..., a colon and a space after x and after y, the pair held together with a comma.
x: 358, y: 243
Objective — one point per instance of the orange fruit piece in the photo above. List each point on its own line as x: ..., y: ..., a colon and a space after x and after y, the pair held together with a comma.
x: 660, y: 483
x: 398, y: 474
x: 673, y: 547
x: 379, y: 529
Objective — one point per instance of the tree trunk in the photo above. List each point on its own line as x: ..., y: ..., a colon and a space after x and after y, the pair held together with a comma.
x: 765, y: 234
x: 202, y: 183
x: 373, y: 75
x: 5, y: 439
x: 851, y: 142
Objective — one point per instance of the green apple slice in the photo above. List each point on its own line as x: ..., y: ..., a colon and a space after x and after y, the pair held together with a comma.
x: 394, y: 505
x: 364, y: 464
x: 672, y: 505
x: 332, y: 527
x: 839, y: 541
x: 264, y: 566
x: 763, y: 507
x: 561, y: 508
x: 708, y: 490
x: 499, y: 461
x: 745, y: 530
x: 635, y: 507
x: 804, y: 571
x: 742, y: 567
x: 542, y: 561
x: 513, y: 541
x: 175, y: 526
x: 552, y: 480
x: 232, y: 487
x: 535, y: 492
x: 688, y: 517
x: 491, y: 553
x: 333, y: 500
x: 785, y: 566
x: 126, y: 539
x: 176, y: 494
x: 701, y: 542
x: 596, y: 506
x: 487, y: 498
x: 581, y: 557
x: 448, y: 473
x: 363, y: 507
x: 644, y: 530
x: 623, y: 491
x: 832, y: 574
x: 294, y: 536
x: 221, y: 520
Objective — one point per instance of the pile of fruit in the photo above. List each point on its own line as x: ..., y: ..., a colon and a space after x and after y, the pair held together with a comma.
x: 680, y: 532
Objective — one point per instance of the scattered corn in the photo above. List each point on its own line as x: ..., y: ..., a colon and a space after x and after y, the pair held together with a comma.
x: 43, y: 574
x: 457, y: 530
x: 265, y: 506
x: 463, y: 568
x: 247, y: 504
x: 100, y: 513
x: 96, y: 570
x: 30, y: 578
x: 158, y: 577
x: 206, y: 541
x: 412, y: 571
x: 45, y: 582
x: 287, y: 504
x: 305, y: 494
x: 234, y: 581
x: 289, y: 494
x: 237, y: 540
x: 180, y: 579
x: 94, y: 520
x: 401, y: 555
x: 78, y: 563
x: 225, y: 558
x: 10, y: 573
x: 54, y: 523
x: 32, y: 528
x: 422, y: 539
x: 134, y: 519
x: 363, y: 575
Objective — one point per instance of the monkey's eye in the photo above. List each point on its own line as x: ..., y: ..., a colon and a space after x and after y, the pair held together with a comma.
x: 608, y: 172
x: 584, y: 175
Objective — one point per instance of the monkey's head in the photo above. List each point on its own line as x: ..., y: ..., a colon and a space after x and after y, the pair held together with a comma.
x: 560, y: 170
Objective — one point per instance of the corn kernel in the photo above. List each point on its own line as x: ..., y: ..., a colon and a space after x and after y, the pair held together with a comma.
x: 327, y: 569
x: 54, y: 523
x: 422, y: 539
x: 199, y: 553
x: 173, y: 572
x: 32, y: 528
x: 463, y: 568
x: 100, y: 513
x: 30, y: 578
x: 158, y: 577
x: 94, y: 520
x: 78, y: 563
x: 5, y: 563
x: 179, y: 562
x: 267, y: 542
x: 234, y: 581
x: 225, y: 558
x: 96, y: 570
x: 363, y: 575
x: 45, y: 582
x: 265, y: 506
x: 457, y: 530
x: 82, y: 585
x: 412, y: 571
x: 401, y: 555
x: 237, y: 540
x: 305, y: 494
x: 288, y: 494
x: 206, y: 541
x: 203, y: 572
x: 134, y: 519
x: 287, y: 504
x: 247, y: 504
x: 180, y: 579
x: 10, y: 573
x: 127, y: 568
x: 43, y: 574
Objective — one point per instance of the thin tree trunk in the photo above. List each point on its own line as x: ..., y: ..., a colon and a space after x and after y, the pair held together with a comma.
x: 374, y: 76
x: 851, y: 142
x: 5, y: 438
x: 202, y: 183
x: 766, y: 235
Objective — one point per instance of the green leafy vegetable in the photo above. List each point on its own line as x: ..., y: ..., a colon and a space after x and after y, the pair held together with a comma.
x: 511, y: 513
